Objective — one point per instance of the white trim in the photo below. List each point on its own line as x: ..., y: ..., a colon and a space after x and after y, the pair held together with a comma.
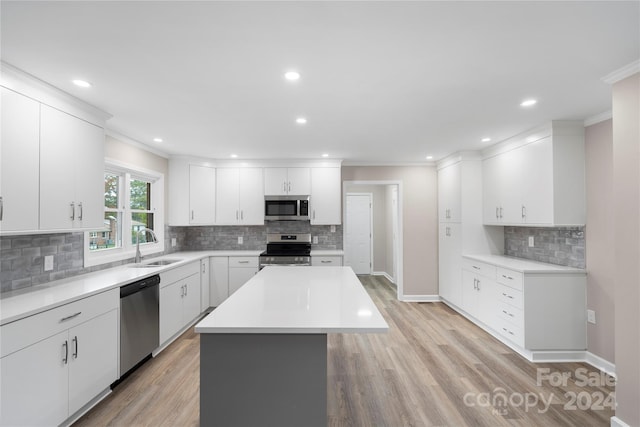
x: 589, y: 121
x: 400, y: 257
x: 385, y: 274
x: 420, y: 298
x: 380, y: 163
x: 622, y: 73
x: 600, y: 363
x: 617, y: 422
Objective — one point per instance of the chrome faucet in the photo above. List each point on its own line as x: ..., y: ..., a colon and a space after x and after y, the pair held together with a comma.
x: 145, y: 230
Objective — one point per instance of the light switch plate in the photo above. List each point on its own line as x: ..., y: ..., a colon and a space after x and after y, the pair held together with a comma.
x: 530, y: 241
x: 315, y: 240
x: 333, y: 228
x: 591, y: 316
x: 48, y: 263
x: 240, y: 240
x: 173, y: 242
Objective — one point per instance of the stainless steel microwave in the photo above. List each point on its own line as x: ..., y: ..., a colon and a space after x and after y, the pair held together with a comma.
x: 286, y: 208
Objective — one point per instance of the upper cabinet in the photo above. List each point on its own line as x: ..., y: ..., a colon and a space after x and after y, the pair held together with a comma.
x: 239, y: 196
x: 449, y: 193
x: 326, y: 196
x: 287, y: 181
x: 192, y: 193
x: 537, y: 178
x: 52, y: 175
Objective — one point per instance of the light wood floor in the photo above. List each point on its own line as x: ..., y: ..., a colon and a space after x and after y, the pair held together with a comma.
x: 433, y: 368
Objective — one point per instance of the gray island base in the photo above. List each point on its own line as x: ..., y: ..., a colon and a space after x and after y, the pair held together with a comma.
x: 263, y: 351
x: 265, y: 380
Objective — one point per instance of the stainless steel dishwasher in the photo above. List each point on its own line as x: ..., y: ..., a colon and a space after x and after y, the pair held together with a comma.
x: 139, y: 321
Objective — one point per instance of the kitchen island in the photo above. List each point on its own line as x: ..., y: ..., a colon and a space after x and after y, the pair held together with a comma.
x: 263, y: 352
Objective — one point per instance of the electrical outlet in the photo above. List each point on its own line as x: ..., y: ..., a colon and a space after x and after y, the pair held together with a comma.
x: 173, y: 242
x: 531, y: 241
x: 315, y: 240
x: 591, y: 316
x: 48, y: 263
x: 240, y: 240
x: 333, y: 228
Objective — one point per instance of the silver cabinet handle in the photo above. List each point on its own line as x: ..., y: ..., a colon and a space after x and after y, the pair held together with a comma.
x: 64, y: 319
x: 478, y: 288
x: 284, y: 186
x: 80, y: 207
x: 75, y: 351
x: 1, y: 208
x: 73, y: 211
x: 497, y: 212
x: 507, y: 313
x: 500, y: 211
x: 192, y: 214
x: 289, y: 186
x: 507, y: 277
x: 186, y: 290
x: 204, y: 268
x: 475, y: 267
x: 236, y: 215
x: 325, y: 262
x: 241, y: 214
x: 524, y: 212
x: 474, y: 283
x: 65, y: 346
x: 243, y: 262
x: 508, y: 296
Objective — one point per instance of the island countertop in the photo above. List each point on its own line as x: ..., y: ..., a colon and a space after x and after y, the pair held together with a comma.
x: 297, y: 300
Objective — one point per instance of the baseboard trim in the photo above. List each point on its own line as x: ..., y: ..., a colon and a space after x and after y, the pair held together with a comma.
x: 385, y: 274
x: 617, y: 422
x: 420, y: 298
x: 600, y: 363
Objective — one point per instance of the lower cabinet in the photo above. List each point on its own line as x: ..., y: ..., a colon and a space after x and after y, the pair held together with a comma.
x: 228, y: 274
x: 54, y: 363
x: 241, y: 269
x: 326, y: 261
x: 205, y: 288
x: 478, y: 290
x: 179, y: 299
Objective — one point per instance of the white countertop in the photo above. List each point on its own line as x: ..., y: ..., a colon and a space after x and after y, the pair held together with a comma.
x: 21, y: 303
x: 524, y: 265
x: 289, y: 300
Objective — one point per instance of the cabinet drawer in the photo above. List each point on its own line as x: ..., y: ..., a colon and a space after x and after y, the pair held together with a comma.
x: 510, y: 278
x: 326, y: 261
x: 243, y: 261
x: 511, y: 332
x: 25, y: 332
x: 511, y: 314
x: 510, y: 296
x: 478, y: 267
x: 172, y: 276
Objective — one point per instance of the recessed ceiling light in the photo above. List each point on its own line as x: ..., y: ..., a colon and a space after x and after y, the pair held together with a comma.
x: 429, y: 157
x: 234, y: 156
x: 292, y: 75
x: 528, y: 102
x: 157, y: 139
x: 301, y: 120
x: 486, y: 139
x: 81, y: 83
x: 325, y: 155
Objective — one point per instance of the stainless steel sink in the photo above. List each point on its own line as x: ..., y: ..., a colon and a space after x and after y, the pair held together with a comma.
x: 152, y: 264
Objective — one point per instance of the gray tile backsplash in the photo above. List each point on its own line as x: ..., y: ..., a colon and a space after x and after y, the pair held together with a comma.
x: 22, y: 257
x: 561, y: 246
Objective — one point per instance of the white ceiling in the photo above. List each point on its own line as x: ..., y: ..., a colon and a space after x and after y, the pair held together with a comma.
x: 382, y: 82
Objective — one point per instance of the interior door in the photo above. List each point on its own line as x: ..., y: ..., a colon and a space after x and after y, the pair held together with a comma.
x: 358, y: 233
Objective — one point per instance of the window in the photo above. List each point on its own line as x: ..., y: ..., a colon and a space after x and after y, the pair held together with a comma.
x: 133, y: 201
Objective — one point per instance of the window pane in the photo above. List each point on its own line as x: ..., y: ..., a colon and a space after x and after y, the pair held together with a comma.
x: 140, y: 195
x: 109, y: 236
x: 140, y: 220
x: 111, y: 190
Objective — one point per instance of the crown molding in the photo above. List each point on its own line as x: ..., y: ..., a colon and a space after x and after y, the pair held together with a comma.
x: 126, y: 140
x: 598, y: 118
x: 622, y: 73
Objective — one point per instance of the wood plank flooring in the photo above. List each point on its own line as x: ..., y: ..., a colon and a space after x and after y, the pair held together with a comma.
x: 433, y: 368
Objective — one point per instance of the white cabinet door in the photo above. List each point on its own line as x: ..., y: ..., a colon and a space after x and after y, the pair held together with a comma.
x: 227, y: 196
x: 537, y: 182
x: 326, y: 194
x: 491, y: 190
x: 35, y: 386
x: 190, y: 299
x: 275, y: 181
x: 205, y: 287
x: 202, y: 197
x: 71, y: 172
x: 449, y: 193
x: 170, y: 310
x: 219, y: 276
x: 470, y: 293
x: 93, y: 358
x: 326, y: 261
x: 450, y: 265
x: 238, y: 276
x: 299, y: 181
x: 251, y: 196
x: 19, y: 162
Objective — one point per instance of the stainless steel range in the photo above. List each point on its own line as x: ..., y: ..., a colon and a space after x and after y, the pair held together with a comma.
x: 287, y: 249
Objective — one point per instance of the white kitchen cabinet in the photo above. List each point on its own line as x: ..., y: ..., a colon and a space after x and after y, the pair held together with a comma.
x: 536, y: 178
x: 326, y: 261
x: 239, y: 196
x: 449, y: 195
x: 192, y: 191
x: 241, y: 269
x: 179, y: 299
x: 450, y: 267
x: 478, y: 290
x: 287, y: 181
x: 219, y: 280
x: 71, y: 172
x: 19, y: 163
x: 205, y: 285
x: 55, y: 362
x: 326, y: 196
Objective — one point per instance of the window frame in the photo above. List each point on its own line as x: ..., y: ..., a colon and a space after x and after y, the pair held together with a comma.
x: 127, y: 249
